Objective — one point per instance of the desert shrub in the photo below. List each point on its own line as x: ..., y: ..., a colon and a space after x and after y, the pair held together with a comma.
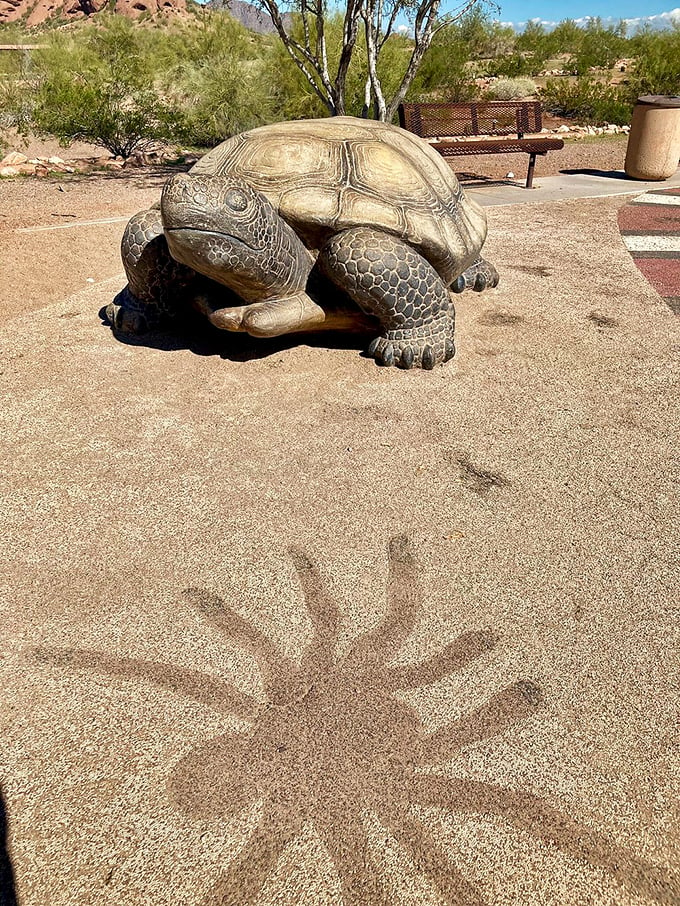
x: 511, y: 89
x: 16, y: 105
x: 125, y: 86
x: 657, y: 63
x: 211, y: 101
x: 515, y: 65
x: 599, y: 47
x: 446, y: 73
x: 97, y: 86
x: 116, y: 115
x: 586, y: 100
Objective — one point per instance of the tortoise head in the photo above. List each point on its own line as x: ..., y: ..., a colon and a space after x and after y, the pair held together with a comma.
x: 223, y: 228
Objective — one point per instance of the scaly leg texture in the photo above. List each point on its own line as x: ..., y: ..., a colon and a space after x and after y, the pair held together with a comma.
x: 157, y: 284
x: 479, y: 276
x: 388, y: 279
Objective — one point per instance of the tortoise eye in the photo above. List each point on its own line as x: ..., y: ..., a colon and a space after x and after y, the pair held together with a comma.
x: 236, y: 200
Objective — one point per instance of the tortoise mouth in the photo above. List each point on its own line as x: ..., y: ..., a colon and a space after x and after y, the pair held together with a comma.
x: 187, y: 231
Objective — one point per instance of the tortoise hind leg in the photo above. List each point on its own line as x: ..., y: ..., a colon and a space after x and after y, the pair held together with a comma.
x: 479, y: 276
x: 156, y: 282
x: 388, y: 279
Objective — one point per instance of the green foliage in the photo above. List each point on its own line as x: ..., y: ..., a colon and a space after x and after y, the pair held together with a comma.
x: 511, y: 89
x: 210, y: 102
x: 564, y: 38
x: 97, y: 86
x: 445, y: 73
x: 117, y: 115
x: 515, y: 65
x: 293, y: 96
x: 124, y: 84
x: 657, y: 63
x: 599, y: 47
x: 587, y: 101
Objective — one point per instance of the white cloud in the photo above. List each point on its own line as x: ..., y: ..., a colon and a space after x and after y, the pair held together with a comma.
x: 660, y: 20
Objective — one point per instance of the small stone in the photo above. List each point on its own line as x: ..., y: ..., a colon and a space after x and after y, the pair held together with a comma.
x: 13, y: 159
x: 9, y: 171
x: 55, y: 160
x: 89, y: 280
x: 510, y: 175
x: 562, y: 128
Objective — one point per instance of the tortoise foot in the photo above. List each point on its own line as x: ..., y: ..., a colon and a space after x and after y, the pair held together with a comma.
x: 419, y: 347
x: 127, y: 315
x: 479, y: 276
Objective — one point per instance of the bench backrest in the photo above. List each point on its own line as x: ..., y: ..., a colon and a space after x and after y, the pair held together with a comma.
x: 477, y: 118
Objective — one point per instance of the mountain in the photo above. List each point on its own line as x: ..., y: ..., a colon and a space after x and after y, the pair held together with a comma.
x: 248, y: 15
x: 34, y: 12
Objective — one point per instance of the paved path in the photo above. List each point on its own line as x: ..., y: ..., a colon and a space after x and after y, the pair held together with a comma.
x: 650, y: 226
x: 575, y: 184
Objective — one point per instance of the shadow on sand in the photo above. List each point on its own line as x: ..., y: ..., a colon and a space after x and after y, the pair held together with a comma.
x: 8, y: 895
x: 338, y: 739
x: 603, y: 174
x: 197, y: 335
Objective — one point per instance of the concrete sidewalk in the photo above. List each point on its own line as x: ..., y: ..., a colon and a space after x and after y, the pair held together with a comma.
x: 576, y: 184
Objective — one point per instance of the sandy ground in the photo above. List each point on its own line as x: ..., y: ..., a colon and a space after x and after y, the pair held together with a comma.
x: 282, y: 627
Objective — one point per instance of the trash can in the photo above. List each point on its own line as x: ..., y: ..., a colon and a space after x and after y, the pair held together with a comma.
x: 654, y: 140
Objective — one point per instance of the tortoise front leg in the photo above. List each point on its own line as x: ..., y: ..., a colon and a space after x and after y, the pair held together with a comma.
x: 158, y: 286
x: 388, y: 279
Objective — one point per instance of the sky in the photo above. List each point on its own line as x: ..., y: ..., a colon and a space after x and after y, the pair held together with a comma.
x: 517, y: 12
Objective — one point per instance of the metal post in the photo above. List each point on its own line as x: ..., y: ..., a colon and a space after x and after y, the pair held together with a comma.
x: 530, y: 171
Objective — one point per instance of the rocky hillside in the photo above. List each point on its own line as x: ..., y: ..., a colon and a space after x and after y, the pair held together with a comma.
x: 248, y: 15
x: 34, y: 12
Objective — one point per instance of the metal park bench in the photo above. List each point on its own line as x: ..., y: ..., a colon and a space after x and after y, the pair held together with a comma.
x: 503, y: 125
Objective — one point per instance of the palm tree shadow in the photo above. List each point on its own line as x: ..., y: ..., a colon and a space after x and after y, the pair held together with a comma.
x: 8, y: 895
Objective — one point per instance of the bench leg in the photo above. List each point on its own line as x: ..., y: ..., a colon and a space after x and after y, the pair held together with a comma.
x: 530, y: 171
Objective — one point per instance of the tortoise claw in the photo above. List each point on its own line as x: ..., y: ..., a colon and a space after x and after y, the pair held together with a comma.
x: 428, y: 358
x: 406, y: 360
x: 387, y: 355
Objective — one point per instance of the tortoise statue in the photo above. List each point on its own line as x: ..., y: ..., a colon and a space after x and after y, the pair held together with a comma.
x: 309, y: 225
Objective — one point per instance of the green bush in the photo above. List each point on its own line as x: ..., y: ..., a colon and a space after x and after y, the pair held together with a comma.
x: 116, y: 115
x: 587, y: 101
x: 445, y: 73
x: 511, y: 89
x: 125, y: 86
x: 599, y: 47
x: 210, y: 102
x: 657, y: 63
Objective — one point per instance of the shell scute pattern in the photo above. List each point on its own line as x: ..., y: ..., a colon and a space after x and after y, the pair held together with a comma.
x: 329, y: 175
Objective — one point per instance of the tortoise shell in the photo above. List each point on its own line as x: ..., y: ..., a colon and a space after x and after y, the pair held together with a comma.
x: 333, y: 174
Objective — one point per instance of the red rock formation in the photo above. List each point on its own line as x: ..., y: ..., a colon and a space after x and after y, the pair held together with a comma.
x: 36, y: 11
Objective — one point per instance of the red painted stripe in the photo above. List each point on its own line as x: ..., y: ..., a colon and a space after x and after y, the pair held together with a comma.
x: 639, y: 218
x: 661, y: 269
x: 662, y: 273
